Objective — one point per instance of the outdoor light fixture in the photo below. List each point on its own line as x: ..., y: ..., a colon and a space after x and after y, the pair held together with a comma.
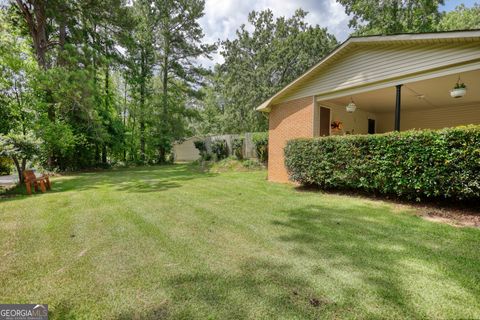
x: 459, y: 90
x: 351, y: 107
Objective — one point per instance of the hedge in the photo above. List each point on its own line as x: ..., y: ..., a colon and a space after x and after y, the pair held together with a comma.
x: 411, y: 164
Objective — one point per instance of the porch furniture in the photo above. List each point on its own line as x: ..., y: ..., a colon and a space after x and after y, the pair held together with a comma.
x: 43, y: 181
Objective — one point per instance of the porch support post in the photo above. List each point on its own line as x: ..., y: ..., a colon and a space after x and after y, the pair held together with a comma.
x: 397, y: 107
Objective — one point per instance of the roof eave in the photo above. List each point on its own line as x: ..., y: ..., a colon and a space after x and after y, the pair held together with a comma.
x: 265, y: 106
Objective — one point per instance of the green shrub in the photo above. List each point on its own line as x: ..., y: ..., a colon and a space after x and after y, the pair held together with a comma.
x: 252, y: 164
x: 237, y: 148
x: 201, y: 146
x: 231, y: 163
x: 219, y: 149
x: 260, y: 140
x: 411, y: 164
x: 6, y: 166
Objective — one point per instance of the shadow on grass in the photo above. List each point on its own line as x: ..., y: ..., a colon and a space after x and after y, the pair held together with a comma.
x: 137, y: 180
x: 260, y: 289
x: 379, y: 247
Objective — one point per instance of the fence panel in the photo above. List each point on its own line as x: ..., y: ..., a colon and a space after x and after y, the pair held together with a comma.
x: 248, y: 145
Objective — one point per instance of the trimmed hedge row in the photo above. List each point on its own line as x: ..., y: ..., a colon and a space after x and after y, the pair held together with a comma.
x: 411, y: 164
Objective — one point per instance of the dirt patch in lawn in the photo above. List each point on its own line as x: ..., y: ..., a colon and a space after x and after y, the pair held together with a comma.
x: 460, y: 214
x: 463, y: 217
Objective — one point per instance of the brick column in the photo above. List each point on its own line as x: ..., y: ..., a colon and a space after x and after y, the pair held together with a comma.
x: 287, y: 120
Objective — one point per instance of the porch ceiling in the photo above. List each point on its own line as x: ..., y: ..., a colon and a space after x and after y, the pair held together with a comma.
x: 425, y: 94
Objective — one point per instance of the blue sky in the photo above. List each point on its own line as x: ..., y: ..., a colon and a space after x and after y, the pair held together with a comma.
x: 451, y: 4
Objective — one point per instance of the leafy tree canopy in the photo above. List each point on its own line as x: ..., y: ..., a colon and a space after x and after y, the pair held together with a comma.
x: 258, y: 63
x: 462, y: 18
x: 392, y: 16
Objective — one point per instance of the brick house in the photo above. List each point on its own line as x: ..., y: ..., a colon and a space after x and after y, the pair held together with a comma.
x: 397, y: 82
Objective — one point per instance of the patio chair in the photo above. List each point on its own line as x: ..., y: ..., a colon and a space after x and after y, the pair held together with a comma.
x: 30, y: 179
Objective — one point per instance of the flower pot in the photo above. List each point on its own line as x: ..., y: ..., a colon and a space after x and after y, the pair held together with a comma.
x: 458, y: 93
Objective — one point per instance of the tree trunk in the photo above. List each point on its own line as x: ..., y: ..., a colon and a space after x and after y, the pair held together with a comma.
x: 142, y: 105
x: 24, y: 164
x: 19, y: 169
x: 107, y: 89
x: 62, y: 36
x: 36, y: 22
x: 107, y: 104
x: 97, y: 154
x: 164, y: 130
x: 142, y: 140
x: 133, y: 151
x: 124, y: 116
x: 104, y: 154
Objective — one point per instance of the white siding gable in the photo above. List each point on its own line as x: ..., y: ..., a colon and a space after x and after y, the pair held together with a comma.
x: 366, y: 64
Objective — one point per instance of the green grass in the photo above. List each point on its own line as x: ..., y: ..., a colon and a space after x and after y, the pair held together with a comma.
x: 171, y: 242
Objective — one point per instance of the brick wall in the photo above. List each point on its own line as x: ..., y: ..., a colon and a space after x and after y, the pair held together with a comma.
x: 288, y: 120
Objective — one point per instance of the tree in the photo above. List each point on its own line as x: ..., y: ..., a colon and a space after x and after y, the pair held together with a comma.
x: 462, y: 18
x: 179, y: 36
x: 20, y: 148
x: 75, y: 47
x: 392, y: 16
x: 259, y: 63
x: 211, y: 116
x: 16, y: 71
x: 100, y: 81
x: 140, y: 63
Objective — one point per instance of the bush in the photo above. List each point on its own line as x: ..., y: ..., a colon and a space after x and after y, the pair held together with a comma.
x: 220, y: 149
x: 201, y: 146
x: 252, y: 164
x: 412, y: 164
x: 237, y: 148
x: 6, y: 165
x: 231, y: 163
x: 260, y: 140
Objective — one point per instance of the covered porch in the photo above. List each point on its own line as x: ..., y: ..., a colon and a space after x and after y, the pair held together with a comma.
x: 422, y: 102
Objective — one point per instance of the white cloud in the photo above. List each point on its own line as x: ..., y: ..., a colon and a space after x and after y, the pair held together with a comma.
x: 223, y: 17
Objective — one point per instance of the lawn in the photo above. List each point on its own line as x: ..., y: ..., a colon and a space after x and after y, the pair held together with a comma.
x: 172, y: 242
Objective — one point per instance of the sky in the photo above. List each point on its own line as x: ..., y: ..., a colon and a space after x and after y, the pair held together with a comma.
x: 223, y: 17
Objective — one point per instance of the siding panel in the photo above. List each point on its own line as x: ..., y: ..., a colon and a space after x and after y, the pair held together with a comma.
x: 431, y: 118
x: 369, y: 64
